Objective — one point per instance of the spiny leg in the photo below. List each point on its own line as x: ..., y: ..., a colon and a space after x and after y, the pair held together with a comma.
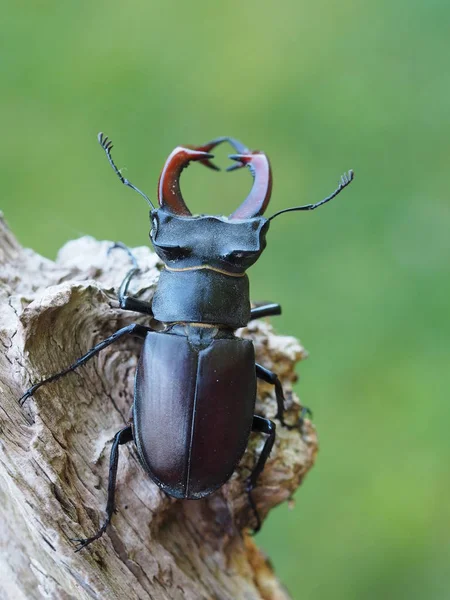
x: 135, y: 329
x: 265, y: 310
x: 128, y: 302
x: 123, y: 436
x: 268, y: 427
x: 271, y: 377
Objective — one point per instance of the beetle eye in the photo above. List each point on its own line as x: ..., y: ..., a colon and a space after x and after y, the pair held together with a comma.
x: 235, y: 255
x: 154, y: 226
x: 172, y: 253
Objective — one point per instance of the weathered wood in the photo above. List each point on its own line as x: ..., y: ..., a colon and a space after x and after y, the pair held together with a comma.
x: 54, y: 451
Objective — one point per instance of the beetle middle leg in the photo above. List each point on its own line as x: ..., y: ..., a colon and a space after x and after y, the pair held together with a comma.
x: 268, y: 427
x: 271, y: 377
x: 135, y: 329
x: 123, y: 436
x: 265, y: 310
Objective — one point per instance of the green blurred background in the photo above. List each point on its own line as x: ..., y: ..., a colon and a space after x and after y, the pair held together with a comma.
x: 364, y: 282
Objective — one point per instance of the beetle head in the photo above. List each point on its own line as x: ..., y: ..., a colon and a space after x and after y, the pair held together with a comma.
x: 205, y: 236
x: 222, y: 243
x: 231, y: 243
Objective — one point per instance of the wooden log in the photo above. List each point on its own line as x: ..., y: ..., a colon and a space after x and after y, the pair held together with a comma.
x: 54, y: 451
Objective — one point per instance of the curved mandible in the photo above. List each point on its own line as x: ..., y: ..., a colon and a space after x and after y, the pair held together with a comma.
x: 169, y: 193
x: 256, y: 202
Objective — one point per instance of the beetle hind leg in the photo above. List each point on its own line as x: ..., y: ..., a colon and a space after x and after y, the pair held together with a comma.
x: 123, y: 436
x: 271, y: 377
x: 268, y: 427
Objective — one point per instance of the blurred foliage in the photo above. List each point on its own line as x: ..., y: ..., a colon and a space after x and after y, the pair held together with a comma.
x: 364, y: 282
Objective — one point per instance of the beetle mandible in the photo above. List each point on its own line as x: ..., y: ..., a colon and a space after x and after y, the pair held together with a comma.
x: 195, y: 387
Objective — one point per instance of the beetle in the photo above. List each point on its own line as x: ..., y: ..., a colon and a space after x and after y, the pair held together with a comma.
x: 195, y: 384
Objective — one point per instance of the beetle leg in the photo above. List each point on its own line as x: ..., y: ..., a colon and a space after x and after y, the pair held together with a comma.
x: 128, y: 302
x: 271, y: 377
x: 123, y: 436
x: 135, y: 329
x: 265, y: 310
x: 268, y: 427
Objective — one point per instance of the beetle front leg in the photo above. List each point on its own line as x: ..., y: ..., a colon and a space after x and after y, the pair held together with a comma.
x: 271, y: 377
x: 123, y: 436
x: 268, y: 427
x: 128, y: 302
x: 135, y: 329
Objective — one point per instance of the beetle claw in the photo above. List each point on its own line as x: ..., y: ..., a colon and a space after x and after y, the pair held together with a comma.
x: 306, y: 412
x: 30, y: 391
x: 83, y: 542
x: 248, y: 488
x: 80, y: 543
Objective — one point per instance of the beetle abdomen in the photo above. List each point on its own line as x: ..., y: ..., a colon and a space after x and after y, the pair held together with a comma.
x: 193, y: 411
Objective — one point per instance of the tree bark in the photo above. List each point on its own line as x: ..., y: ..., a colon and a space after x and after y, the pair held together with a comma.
x: 54, y: 451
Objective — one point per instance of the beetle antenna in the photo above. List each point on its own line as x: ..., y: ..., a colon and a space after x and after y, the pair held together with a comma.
x: 107, y: 146
x: 345, y: 180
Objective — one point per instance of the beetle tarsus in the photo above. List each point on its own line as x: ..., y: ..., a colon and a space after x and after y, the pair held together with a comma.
x: 128, y: 302
x: 123, y: 436
x: 304, y: 413
x: 127, y: 250
x: 123, y: 288
x: 83, y: 542
x: 248, y: 489
x: 272, y: 378
x: 262, y: 425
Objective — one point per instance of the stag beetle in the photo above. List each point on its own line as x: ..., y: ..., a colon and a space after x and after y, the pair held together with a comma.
x: 195, y: 385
